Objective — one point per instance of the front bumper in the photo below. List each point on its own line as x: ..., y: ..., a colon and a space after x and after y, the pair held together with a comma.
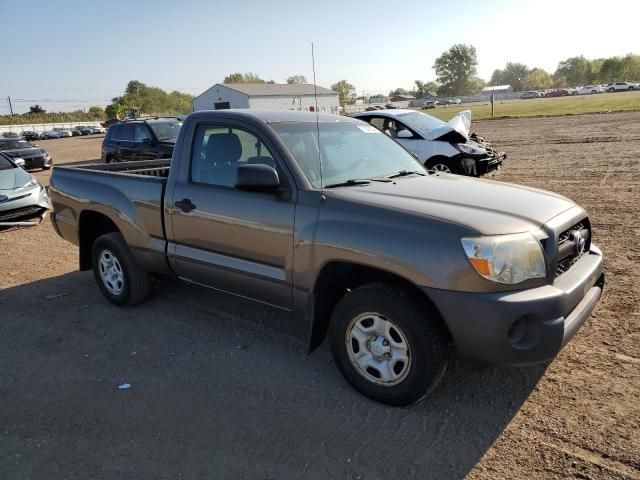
x: 527, y: 326
x: 25, y: 207
x: 494, y: 162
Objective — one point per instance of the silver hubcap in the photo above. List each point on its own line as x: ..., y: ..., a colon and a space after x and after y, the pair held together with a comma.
x: 440, y: 167
x: 111, y: 272
x: 378, y: 349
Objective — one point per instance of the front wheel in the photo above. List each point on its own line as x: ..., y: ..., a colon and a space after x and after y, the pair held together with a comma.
x: 117, y: 274
x: 441, y: 164
x: 388, y: 344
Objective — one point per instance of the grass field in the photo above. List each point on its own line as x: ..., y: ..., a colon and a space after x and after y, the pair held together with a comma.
x: 546, y: 107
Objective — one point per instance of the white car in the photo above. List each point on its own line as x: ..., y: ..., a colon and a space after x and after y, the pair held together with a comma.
x: 621, y: 87
x: 63, y: 132
x: 590, y: 89
x: 442, y: 146
x: 50, y: 134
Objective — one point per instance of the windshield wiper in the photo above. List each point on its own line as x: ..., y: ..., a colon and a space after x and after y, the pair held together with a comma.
x: 349, y: 183
x: 404, y: 173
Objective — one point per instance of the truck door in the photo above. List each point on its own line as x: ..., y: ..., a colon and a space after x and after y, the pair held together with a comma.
x: 236, y: 241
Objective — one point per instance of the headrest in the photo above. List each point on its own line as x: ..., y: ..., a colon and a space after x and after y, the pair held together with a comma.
x: 223, y: 147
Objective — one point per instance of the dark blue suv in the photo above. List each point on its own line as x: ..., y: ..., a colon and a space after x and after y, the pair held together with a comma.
x: 140, y: 139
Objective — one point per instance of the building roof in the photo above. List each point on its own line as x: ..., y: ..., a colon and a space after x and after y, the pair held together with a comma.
x: 496, y: 87
x: 277, y: 89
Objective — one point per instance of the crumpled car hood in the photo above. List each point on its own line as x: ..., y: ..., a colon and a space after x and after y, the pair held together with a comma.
x: 13, y: 178
x: 456, y: 130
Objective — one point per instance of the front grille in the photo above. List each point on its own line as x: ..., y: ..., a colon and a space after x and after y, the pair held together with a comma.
x: 34, y: 162
x: 24, y: 213
x: 570, y: 247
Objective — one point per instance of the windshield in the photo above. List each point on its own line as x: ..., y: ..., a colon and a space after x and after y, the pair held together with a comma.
x: 165, y: 130
x: 5, y: 164
x: 14, y: 144
x: 421, y: 121
x: 349, y: 151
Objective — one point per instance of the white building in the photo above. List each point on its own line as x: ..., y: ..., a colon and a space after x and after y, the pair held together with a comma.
x: 267, y: 96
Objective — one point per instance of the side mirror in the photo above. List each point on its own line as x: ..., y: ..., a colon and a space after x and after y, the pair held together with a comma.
x: 19, y: 161
x: 147, y: 141
x: 404, y: 134
x: 257, y: 178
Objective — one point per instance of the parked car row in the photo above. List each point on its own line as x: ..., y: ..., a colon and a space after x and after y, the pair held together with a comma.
x: 582, y: 90
x: 58, y: 132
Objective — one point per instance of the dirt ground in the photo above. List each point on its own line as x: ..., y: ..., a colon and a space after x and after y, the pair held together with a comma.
x: 218, y: 392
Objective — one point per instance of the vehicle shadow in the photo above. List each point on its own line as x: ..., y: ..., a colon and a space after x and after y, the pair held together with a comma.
x: 216, y: 389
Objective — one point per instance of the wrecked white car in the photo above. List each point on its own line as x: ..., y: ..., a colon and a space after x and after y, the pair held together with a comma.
x: 23, y: 201
x: 442, y: 146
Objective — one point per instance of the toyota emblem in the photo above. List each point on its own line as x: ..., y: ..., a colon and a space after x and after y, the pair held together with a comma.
x: 3, y: 198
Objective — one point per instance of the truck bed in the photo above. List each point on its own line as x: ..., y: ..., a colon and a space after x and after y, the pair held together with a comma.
x: 148, y: 168
x: 128, y: 194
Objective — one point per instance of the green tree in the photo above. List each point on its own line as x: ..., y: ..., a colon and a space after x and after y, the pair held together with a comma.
x: 498, y: 77
x: 297, y: 79
x: 425, y: 88
x: 515, y: 74
x: 96, y: 111
x: 248, y: 77
x: 537, y: 79
x: 36, y: 109
x: 576, y: 71
x: 399, y: 91
x: 346, y: 91
x: 149, y: 100
x: 455, y: 70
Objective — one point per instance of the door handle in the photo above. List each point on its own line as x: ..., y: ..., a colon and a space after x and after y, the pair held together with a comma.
x: 185, y: 205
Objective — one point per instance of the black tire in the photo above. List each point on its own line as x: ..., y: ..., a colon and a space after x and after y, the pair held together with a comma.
x: 135, y: 284
x: 450, y: 164
x: 418, y: 322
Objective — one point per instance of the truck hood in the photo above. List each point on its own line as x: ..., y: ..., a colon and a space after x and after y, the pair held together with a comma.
x: 490, y: 207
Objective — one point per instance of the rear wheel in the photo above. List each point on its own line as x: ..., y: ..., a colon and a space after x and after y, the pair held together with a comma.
x: 117, y: 274
x: 388, y: 344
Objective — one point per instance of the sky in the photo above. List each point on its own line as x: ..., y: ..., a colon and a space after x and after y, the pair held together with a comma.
x: 66, y: 55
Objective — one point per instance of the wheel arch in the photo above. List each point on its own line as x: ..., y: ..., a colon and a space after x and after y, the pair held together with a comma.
x: 91, y: 225
x: 336, y: 279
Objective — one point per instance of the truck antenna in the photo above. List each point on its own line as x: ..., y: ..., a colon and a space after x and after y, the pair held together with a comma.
x: 315, y: 96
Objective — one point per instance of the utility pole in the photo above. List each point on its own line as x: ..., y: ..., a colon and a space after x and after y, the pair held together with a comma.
x: 10, y: 107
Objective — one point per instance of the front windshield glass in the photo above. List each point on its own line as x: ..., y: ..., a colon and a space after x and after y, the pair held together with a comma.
x: 420, y: 121
x: 349, y: 151
x: 5, y: 164
x: 13, y: 144
x: 165, y: 130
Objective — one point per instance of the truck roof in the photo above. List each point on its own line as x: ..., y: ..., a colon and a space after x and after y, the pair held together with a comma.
x: 274, y: 116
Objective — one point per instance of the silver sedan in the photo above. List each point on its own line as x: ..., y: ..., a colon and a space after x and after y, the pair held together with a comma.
x: 23, y: 201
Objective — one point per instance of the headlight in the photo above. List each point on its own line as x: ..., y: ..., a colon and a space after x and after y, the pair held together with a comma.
x: 470, y: 150
x: 31, y: 183
x: 506, y: 259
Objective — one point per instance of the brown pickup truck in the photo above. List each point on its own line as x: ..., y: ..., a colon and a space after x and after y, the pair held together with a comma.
x: 329, y: 218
